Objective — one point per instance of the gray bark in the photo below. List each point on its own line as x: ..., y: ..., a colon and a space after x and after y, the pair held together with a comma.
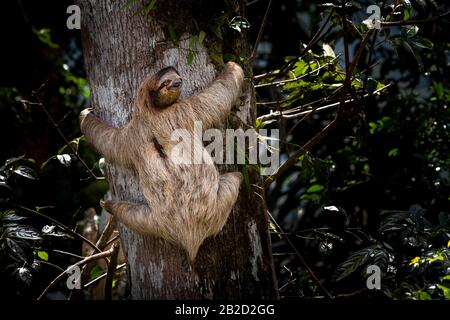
x: 120, y: 50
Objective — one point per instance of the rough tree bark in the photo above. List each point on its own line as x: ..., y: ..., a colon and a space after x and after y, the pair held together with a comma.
x: 120, y: 49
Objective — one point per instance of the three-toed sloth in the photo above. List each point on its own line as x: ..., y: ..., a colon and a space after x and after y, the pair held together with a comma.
x: 186, y: 202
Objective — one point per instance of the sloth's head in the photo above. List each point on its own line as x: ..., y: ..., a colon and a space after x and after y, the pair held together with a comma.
x: 167, y: 87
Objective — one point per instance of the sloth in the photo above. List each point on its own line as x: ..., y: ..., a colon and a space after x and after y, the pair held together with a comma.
x: 185, y: 203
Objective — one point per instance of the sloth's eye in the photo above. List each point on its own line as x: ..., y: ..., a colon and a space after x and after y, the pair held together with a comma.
x: 166, y: 83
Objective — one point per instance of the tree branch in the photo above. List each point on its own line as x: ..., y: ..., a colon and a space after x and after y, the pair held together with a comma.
x: 319, y: 137
x: 111, y: 270
x: 40, y: 103
x: 300, y: 257
x: 261, y: 30
x: 413, y: 22
x: 298, y: 110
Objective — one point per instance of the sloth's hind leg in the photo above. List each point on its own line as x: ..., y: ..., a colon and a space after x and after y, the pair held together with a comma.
x: 137, y: 217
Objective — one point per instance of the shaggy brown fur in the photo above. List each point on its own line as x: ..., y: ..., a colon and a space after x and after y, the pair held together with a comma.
x: 186, y: 203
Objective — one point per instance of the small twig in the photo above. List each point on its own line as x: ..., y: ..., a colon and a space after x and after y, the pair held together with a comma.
x: 319, y: 137
x: 106, y: 234
x: 411, y: 22
x: 275, y: 83
x: 53, y: 122
x: 345, y: 32
x: 300, y: 257
x: 112, y: 240
x: 67, y: 253
x: 352, y: 294
x: 261, y: 30
x: 101, y: 255
x: 111, y: 270
x: 351, y: 69
x: 52, y: 265
x: 369, y: 60
x: 311, y: 43
x: 120, y: 266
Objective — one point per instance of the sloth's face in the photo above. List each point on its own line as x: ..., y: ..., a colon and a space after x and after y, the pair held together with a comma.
x: 169, y: 89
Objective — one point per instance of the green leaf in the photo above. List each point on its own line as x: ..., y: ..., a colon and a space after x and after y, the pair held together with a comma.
x: 201, y: 36
x: 315, y: 188
x: 422, y: 295
x: 411, y: 31
x: 216, y: 58
x: 96, y: 272
x: 445, y: 291
x: 393, y: 152
x: 173, y: 35
x: 44, y: 36
x: 415, y: 54
x: 190, y: 58
x: 422, y: 42
x: 150, y: 6
x: 193, y: 41
x: 25, y: 172
x: 43, y: 255
x: 407, y: 12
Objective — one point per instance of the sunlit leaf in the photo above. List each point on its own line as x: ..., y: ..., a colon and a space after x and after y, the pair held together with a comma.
x: 393, y: 152
x: 407, y: 12
x: 23, y: 232
x: 238, y: 23
x: 25, y: 172
x: 11, y: 216
x: 24, y: 275
x: 414, y: 261
x: 43, y: 255
x: 445, y: 290
x: 11, y: 161
x: 64, y: 159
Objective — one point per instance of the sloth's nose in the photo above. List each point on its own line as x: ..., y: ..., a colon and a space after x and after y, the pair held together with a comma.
x: 176, y: 83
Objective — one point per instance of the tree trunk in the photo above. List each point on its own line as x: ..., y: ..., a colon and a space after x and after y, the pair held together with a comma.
x: 120, y: 49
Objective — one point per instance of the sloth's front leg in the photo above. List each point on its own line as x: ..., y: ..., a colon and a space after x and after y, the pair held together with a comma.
x: 137, y: 217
